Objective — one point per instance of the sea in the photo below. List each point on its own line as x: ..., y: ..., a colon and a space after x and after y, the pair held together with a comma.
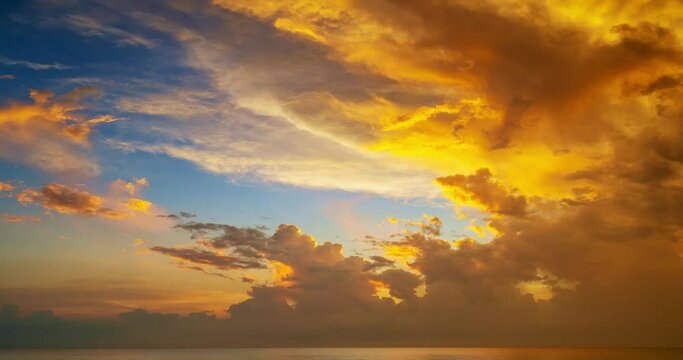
x: 348, y: 354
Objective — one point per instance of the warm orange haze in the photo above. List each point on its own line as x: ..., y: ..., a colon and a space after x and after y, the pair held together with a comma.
x: 300, y: 173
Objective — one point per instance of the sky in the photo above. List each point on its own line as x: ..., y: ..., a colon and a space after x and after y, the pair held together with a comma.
x: 341, y: 173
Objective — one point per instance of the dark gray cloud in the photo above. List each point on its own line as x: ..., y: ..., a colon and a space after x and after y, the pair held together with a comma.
x: 204, y: 257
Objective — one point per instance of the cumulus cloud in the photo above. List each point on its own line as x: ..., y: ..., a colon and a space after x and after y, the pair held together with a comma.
x: 572, y: 278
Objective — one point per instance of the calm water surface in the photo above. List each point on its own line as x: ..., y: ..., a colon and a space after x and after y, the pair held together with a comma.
x: 349, y: 354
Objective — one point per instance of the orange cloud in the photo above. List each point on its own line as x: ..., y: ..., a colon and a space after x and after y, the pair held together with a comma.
x: 522, y: 103
x: 481, y: 191
x: 50, y: 133
x: 63, y: 199
x: 6, y: 186
x: 139, y: 205
x: 131, y: 188
x: 16, y: 218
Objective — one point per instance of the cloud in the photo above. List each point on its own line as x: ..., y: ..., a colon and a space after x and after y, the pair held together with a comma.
x: 68, y: 200
x: 6, y: 77
x: 50, y: 134
x: 204, y: 257
x: 480, y: 191
x: 139, y: 205
x: 561, y: 124
x: 567, y: 278
x: 16, y: 218
x: 131, y: 188
x: 295, y: 258
x: 91, y: 298
x: 6, y: 187
x: 271, y: 131
x: 550, y: 267
x: 65, y: 200
x: 90, y: 26
x: 31, y: 65
x: 379, y: 262
x: 336, y: 167
x: 496, y: 101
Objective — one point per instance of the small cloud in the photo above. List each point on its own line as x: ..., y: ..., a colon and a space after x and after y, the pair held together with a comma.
x: 68, y: 200
x: 211, y: 258
x: 6, y: 77
x: 103, y: 119
x: 6, y: 186
x: 131, y: 188
x: 88, y: 26
x: 138, y: 205
x: 31, y: 65
x: 142, y: 251
x: 16, y: 218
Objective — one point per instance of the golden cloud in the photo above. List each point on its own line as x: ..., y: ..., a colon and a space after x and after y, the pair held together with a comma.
x: 50, y: 133
x: 6, y: 186
x: 17, y: 218
x: 531, y: 86
x: 68, y: 200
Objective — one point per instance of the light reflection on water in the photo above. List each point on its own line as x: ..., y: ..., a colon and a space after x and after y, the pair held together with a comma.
x: 347, y: 354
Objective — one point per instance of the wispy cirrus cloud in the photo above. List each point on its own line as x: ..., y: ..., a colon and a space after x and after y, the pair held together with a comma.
x: 90, y: 26
x: 17, y: 218
x: 31, y: 65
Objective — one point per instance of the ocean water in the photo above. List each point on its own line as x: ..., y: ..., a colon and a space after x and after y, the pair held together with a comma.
x: 348, y: 354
